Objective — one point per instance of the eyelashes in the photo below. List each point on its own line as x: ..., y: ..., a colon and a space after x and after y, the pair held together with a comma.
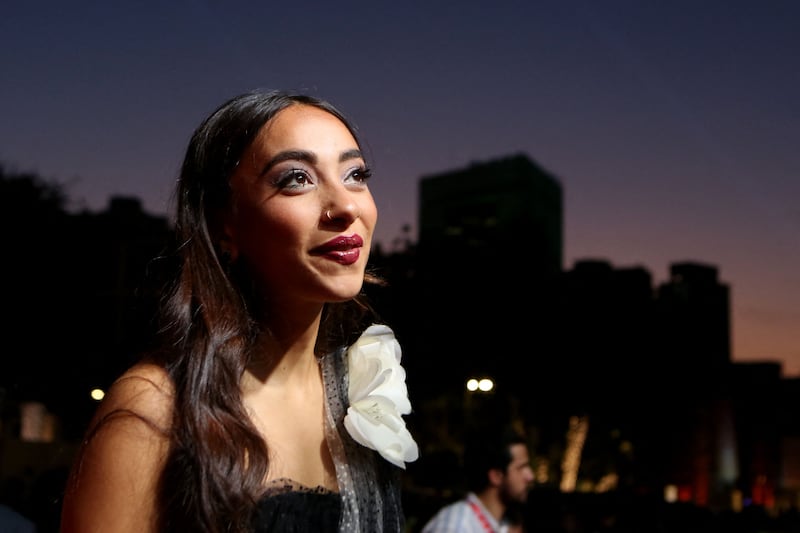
x: 362, y: 173
x: 296, y: 179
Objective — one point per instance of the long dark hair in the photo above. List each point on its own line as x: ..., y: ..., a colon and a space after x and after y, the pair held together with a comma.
x: 217, y: 460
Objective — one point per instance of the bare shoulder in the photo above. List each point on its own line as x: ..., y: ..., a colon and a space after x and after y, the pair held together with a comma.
x: 144, y: 390
x: 115, y: 477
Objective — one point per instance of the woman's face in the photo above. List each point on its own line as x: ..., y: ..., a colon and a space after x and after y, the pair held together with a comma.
x: 301, y: 216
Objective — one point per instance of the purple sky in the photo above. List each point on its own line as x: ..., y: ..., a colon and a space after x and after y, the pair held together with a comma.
x: 673, y: 126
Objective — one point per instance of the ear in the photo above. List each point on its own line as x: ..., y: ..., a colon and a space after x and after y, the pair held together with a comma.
x: 496, y: 476
x: 227, y: 248
x: 223, y: 236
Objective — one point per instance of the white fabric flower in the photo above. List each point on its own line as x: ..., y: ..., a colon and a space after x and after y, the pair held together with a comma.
x: 378, y: 396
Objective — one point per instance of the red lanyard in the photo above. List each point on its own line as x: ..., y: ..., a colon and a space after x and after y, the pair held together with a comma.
x: 484, y: 521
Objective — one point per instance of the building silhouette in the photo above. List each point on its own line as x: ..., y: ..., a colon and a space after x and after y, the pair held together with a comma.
x: 650, y: 366
x: 488, y: 255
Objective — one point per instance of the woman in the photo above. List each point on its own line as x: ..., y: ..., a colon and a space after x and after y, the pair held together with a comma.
x: 259, y: 412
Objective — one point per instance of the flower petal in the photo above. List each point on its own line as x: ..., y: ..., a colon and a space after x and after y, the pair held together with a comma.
x: 378, y: 396
x: 397, y: 447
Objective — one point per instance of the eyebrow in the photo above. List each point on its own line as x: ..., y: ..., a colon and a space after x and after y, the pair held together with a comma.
x: 308, y: 157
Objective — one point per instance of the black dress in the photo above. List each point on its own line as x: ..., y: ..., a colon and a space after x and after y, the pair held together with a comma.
x: 298, y: 510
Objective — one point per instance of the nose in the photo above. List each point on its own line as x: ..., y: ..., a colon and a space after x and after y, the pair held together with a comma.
x: 529, y: 476
x: 342, y: 207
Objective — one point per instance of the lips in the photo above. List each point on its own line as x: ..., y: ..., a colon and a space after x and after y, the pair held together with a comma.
x: 344, y: 250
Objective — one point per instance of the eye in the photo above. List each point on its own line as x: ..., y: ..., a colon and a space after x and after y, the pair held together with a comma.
x: 358, y: 176
x: 294, y: 179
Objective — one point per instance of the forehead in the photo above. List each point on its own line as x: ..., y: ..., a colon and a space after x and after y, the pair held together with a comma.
x: 519, y: 453
x: 304, y: 126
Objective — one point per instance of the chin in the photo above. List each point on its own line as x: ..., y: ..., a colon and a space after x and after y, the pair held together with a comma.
x: 343, y: 292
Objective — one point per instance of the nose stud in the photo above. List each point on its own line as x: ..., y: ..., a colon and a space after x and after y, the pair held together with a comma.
x: 328, y: 214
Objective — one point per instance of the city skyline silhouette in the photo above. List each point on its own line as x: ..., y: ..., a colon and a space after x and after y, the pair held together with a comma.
x: 670, y: 126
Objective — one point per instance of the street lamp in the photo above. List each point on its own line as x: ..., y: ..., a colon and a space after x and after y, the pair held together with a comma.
x: 480, y: 385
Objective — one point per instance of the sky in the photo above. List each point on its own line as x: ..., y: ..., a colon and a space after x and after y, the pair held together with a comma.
x: 673, y: 126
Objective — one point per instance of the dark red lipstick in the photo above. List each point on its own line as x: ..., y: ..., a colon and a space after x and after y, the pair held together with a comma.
x: 344, y: 249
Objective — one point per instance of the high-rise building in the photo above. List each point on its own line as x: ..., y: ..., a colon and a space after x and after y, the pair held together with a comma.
x: 489, y: 255
x: 694, y: 318
x: 494, y: 212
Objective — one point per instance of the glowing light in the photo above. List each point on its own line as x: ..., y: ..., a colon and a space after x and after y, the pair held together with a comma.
x: 542, y: 472
x: 483, y: 384
x: 37, y: 423
x: 97, y: 394
x: 626, y: 447
x: 576, y: 436
x: 607, y: 482
x: 670, y: 494
x: 737, y: 501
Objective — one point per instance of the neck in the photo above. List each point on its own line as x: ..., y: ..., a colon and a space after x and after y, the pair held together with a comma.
x: 491, y: 500
x: 286, y: 349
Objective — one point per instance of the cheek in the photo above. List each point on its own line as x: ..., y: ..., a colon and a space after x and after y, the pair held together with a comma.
x: 369, y: 214
x: 266, y: 232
